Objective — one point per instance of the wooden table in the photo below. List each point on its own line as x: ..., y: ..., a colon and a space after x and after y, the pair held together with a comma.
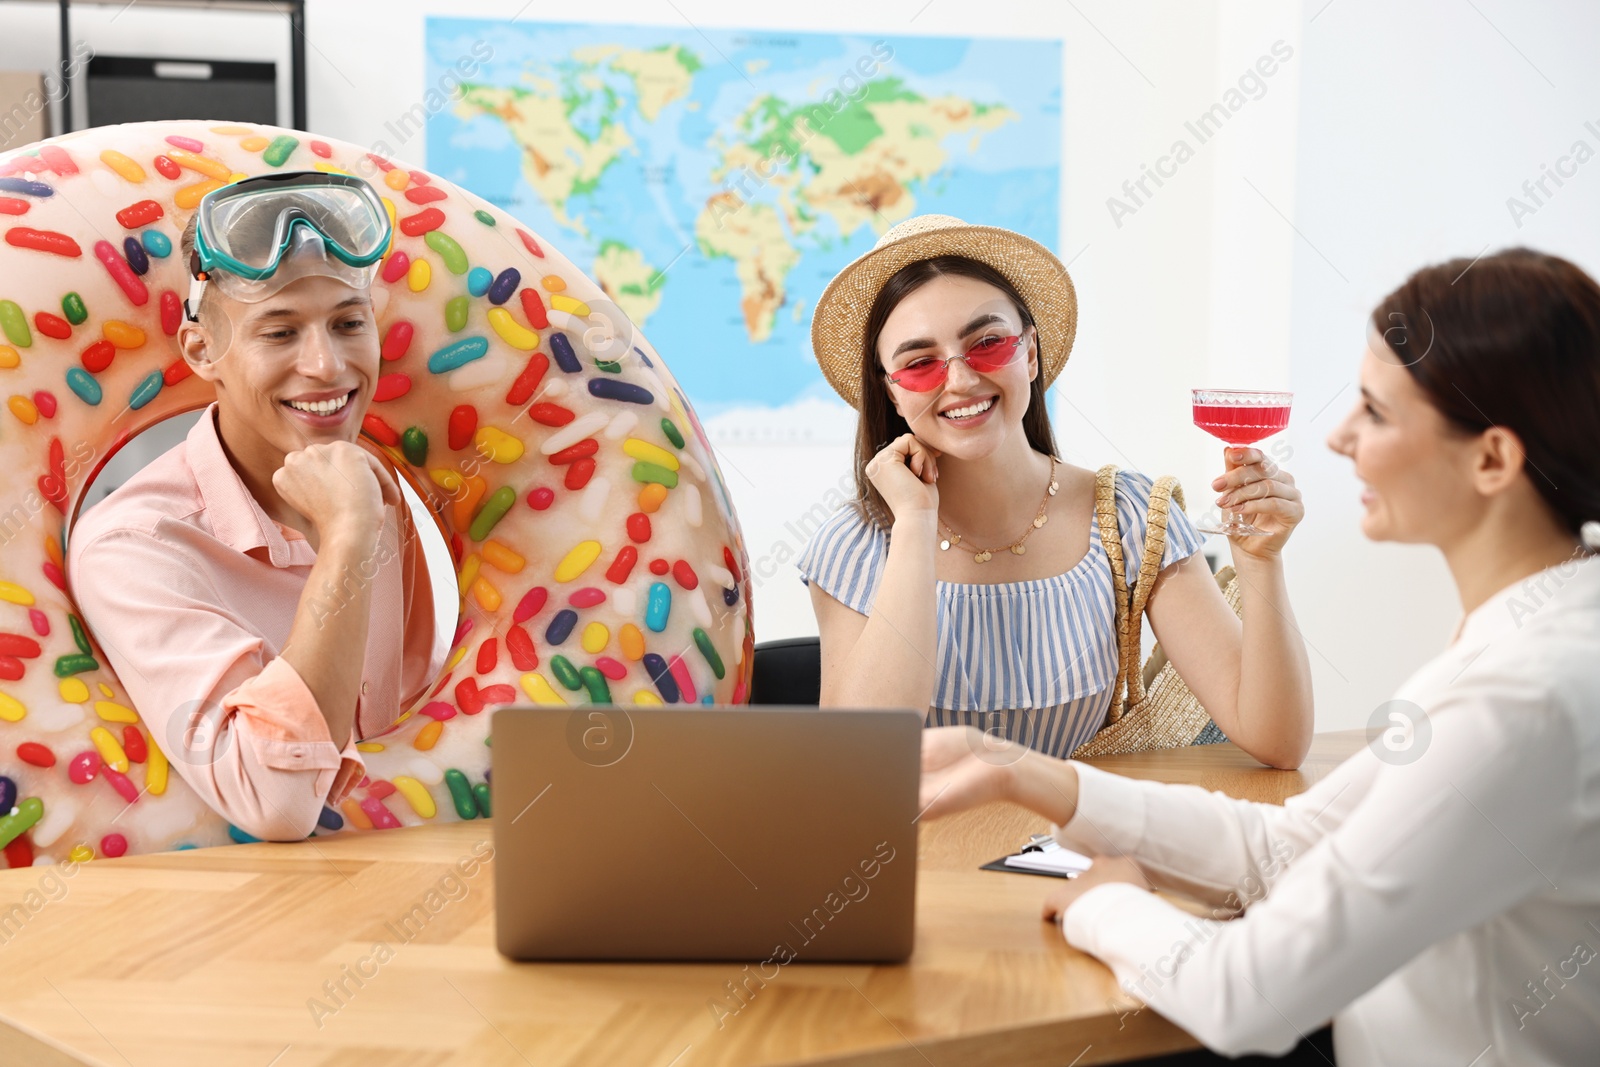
x: 234, y: 955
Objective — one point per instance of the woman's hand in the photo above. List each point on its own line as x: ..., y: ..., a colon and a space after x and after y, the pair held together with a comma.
x: 905, y: 472
x: 963, y: 767
x: 1105, y: 870
x: 1265, y: 495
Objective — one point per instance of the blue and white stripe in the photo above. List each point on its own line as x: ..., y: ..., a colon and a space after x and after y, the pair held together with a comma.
x: 1035, y: 660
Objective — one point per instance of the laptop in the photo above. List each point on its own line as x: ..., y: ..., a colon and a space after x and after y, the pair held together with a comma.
x: 717, y: 833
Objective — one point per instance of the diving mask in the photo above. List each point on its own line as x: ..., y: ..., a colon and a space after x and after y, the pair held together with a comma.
x: 258, y: 235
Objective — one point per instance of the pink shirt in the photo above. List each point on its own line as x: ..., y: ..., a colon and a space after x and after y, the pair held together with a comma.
x: 191, y: 590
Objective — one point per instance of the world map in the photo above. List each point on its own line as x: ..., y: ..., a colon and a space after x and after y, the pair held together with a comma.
x: 714, y: 181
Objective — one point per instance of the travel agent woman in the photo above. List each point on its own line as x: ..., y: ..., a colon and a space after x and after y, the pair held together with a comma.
x: 968, y: 576
x: 1438, y: 894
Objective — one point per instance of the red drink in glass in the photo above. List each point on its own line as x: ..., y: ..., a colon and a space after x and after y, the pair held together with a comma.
x: 1239, y: 417
x: 1241, y: 425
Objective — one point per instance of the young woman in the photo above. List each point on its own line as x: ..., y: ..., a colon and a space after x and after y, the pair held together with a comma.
x: 1438, y: 895
x: 968, y: 577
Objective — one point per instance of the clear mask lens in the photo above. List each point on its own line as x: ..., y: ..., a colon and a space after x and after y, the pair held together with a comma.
x: 307, y: 256
x: 252, y: 227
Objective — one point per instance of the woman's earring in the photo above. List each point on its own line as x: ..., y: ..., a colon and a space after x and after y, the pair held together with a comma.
x: 1590, y: 534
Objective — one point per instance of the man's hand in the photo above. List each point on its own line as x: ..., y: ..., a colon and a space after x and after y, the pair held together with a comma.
x: 340, y: 487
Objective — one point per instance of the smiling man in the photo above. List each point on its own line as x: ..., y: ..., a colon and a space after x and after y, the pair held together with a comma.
x: 260, y: 588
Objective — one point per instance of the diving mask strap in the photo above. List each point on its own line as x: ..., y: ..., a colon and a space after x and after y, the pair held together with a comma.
x: 197, y: 289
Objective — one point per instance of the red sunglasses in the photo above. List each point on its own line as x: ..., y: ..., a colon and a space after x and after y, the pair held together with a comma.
x: 985, y: 357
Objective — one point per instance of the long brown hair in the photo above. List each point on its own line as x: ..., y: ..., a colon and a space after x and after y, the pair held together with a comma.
x: 880, y: 423
x: 1511, y: 340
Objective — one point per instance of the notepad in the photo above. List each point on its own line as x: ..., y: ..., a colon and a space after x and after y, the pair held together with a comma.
x: 1050, y: 857
x: 1043, y: 856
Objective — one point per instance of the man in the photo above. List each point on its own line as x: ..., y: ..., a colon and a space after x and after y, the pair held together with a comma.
x: 260, y: 588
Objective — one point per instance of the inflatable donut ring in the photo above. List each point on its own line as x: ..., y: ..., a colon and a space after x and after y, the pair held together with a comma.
x: 595, y: 544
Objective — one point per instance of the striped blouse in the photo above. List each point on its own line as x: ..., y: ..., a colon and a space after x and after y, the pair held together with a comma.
x: 1033, y: 660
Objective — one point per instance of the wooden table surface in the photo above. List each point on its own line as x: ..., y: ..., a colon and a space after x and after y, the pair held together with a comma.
x: 236, y: 956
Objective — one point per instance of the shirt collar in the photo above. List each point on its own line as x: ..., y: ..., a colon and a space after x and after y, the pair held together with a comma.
x: 1573, y: 585
x: 236, y: 518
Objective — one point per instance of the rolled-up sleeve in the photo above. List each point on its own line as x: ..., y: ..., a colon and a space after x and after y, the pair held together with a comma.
x: 236, y: 722
x: 279, y: 715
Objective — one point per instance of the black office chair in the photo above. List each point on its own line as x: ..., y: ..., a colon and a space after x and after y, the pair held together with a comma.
x: 787, y: 671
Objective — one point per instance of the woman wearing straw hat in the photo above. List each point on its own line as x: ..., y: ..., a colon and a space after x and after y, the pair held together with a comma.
x: 968, y: 577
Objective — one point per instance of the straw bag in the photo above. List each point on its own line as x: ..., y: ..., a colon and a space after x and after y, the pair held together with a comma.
x: 1157, y: 710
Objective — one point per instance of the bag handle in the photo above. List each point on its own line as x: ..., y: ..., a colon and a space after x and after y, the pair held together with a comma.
x: 1130, y: 615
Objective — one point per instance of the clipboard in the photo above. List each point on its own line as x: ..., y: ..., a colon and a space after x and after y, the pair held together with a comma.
x: 1042, y: 855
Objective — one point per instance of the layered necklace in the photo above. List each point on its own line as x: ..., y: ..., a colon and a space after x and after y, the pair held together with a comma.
x: 1016, y: 548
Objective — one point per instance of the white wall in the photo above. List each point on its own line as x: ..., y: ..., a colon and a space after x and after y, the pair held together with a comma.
x: 1391, y: 137
x: 1417, y: 122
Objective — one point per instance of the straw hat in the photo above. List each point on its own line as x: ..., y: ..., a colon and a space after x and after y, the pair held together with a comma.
x: 838, y: 325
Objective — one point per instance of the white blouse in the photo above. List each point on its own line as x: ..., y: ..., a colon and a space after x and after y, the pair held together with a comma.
x: 1437, y: 895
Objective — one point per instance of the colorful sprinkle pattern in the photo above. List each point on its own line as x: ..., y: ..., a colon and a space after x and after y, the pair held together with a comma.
x: 597, y: 554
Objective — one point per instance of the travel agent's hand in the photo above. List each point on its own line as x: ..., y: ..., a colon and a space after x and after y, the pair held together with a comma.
x: 1104, y: 871
x: 963, y: 767
x: 955, y: 774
